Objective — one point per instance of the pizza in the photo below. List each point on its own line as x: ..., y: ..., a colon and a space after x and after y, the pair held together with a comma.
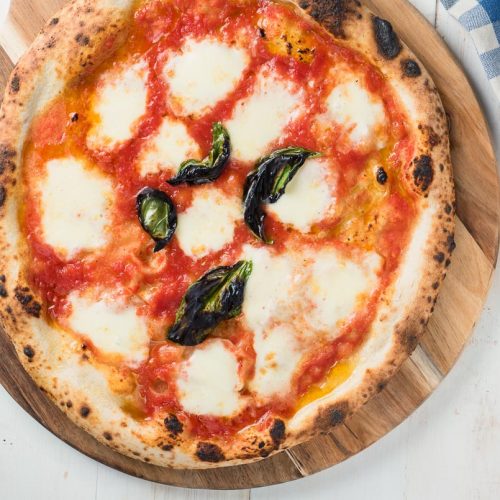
x: 223, y: 223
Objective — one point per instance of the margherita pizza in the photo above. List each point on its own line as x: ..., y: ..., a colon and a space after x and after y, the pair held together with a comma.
x: 223, y: 223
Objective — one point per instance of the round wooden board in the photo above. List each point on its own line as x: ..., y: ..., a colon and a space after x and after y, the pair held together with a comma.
x: 458, y: 307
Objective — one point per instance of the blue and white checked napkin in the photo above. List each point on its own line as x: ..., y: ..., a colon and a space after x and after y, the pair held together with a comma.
x: 482, y: 19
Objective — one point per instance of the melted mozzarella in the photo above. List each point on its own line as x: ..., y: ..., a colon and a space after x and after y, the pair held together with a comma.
x: 209, y: 382
x: 351, y: 106
x: 307, y: 198
x: 75, y: 204
x: 278, y: 355
x: 202, y: 74
x: 208, y: 224
x: 120, y: 102
x: 171, y: 145
x: 260, y: 119
x: 336, y: 285
x: 268, y: 288
x: 112, y: 328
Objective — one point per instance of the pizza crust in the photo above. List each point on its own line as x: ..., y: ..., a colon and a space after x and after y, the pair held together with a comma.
x: 67, y: 48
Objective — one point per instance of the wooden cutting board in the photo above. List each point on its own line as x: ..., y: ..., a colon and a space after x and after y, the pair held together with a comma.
x: 458, y: 307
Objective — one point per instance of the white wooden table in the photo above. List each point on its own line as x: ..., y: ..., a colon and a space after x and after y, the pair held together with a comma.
x: 448, y: 449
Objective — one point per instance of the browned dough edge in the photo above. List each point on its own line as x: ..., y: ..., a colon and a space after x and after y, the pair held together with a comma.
x: 71, y: 44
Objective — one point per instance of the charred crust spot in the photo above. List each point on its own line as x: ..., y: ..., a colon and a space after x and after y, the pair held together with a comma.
x: 29, y: 352
x: 433, y: 139
x: 2, y: 278
x: 262, y: 32
x: 209, y: 452
x: 387, y: 40
x: 381, y: 386
x: 333, y: 13
x: 447, y: 263
x: 173, y: 424
x: 423, y: 174
x: 261, y: 445
x: 29, y: 305
x: 51, y: 43
x: 107, y: 436
x: 435, y: 285
x: 84, y: 411
x: 410, y: 342
x: 304, y: 4
x: 410, y: 68
x: 6, y: 159
x: 277, y: 432
x: 448, y: 208
x: 74, y: 117
x: 439, y: 257
x: 3, y: 195
x: 3, y: 291
x: 450, y: 243
x: 54, y: 21
x: 167, y: 447
x: 264, y: 453
x: 82, y: 39
x: 69, y: 404
x: 337, y: 416
x: 15, y: 84
x: 381, y: 176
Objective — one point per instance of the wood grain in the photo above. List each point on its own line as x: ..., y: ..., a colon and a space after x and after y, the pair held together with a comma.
x: 457, y: 309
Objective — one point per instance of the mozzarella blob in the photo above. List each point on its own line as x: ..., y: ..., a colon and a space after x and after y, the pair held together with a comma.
x: 278, y: 355
x: 336, y: 285
x: 259, y: 120
x: 357, y: 110
x: 202, y: 74
x: 268, y: 288
x: 208, y: 224
x: 307, y: 198
x: 168, y: 148
x: 120, y: 101
x: 113, y: 328
x: 209, y: 382
x: 75, y: 206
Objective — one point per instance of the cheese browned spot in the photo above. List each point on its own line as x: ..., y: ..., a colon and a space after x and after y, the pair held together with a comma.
x: 76, y: 203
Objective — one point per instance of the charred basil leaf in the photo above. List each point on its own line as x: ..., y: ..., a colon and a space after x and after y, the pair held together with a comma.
x: 216, y: 296
x: 267, y: 184
x: 195, y: 172
x: 157, y: 215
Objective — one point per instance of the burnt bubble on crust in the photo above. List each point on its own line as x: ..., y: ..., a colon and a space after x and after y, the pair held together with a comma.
x: 84, y: 411
x: 410, y: 68
x: 3, y: 195
x: 423, y: 173
x: 82, y: 39
x: 3, y: 290
x: 387, y: 41
x: 29, y: 352
x: 332, y: 13
x: 29, y: 305
x: 209, y: 452
x: 173, y: 424
x: 337, y: 416
x: 107, y: 436
x: 381, y: 175
x: 15, y: 84
x: 277, y: 432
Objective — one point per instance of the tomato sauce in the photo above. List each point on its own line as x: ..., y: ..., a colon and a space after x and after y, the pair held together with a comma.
x: 158, y: 28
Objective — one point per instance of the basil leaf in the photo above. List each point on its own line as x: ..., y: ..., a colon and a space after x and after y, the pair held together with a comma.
x: 267, y: 184
x: 157, y: 216
x: 215, y: 297
x: 194, y: 172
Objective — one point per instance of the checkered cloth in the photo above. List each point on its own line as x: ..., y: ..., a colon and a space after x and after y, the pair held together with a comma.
x: 482, y: 19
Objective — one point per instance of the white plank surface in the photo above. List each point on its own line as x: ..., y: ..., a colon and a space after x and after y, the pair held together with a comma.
x: 448, y: 449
